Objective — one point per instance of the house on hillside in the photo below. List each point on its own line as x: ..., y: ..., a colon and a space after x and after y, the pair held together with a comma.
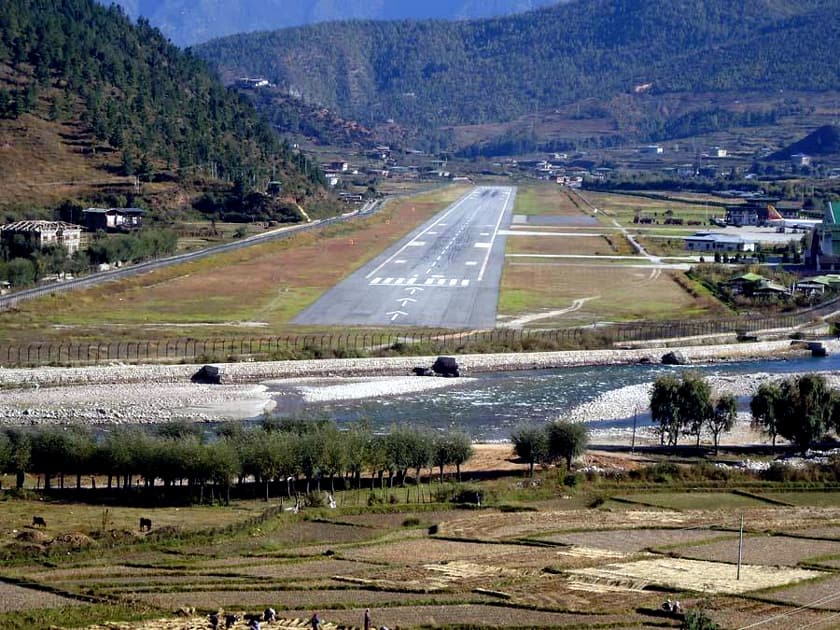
x: 717, y: 242
x: 746, y: 283
x: 40, y: 234
x: 800, y: 159
x: 111, y: 219
x: 818, y: 285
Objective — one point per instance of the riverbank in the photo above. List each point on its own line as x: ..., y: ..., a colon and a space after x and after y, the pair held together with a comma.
x: 256, y: 372
x: 146, y: 394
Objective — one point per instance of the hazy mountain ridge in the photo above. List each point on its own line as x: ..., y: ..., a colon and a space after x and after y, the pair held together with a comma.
x: 187, y: 22
x: 432, y: 73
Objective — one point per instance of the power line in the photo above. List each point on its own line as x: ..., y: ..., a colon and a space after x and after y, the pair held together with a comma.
x: 809, y: 605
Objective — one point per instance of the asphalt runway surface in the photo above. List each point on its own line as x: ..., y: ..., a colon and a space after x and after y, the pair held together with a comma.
x: 445, y: 274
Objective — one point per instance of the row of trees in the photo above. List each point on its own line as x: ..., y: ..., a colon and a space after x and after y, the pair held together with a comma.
x: 23, y: 263
x: 557, y: 441
x: 277, y: 451
x: 684, y: 406
x: 800, y: 409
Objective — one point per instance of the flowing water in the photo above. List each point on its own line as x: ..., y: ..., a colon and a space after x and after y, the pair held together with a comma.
x: 491, y: 404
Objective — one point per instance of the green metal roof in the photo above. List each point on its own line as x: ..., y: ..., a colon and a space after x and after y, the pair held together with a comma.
x: 832, y: 214
x: 749, y: 277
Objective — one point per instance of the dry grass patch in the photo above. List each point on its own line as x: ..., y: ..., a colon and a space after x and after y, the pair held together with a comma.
x: 72, y: 517
x: 633, y: 540
x: 428, y: 551
x: 624, y: 293
x: 308, y: 532
x: 260, y: 567
x: 14, y: 598
x: 563, y: 244
x: 547, y: 199
x: 468, y: 615
x: 548, y: 591
x: 283, y: 278
x: 394, y: 520
x: 816, y: 593
x: 769, y: 550
x: 694, y: 575
x: 317, y: 599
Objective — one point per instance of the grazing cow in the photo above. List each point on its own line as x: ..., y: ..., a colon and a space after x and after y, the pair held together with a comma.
x: 145, y: 524
x: 230, y: 621
x: 38, y: 521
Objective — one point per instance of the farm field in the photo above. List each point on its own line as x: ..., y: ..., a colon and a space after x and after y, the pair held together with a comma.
x: 575, y: 567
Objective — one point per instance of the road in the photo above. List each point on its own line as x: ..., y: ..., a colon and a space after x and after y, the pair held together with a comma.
x: 445, y: 274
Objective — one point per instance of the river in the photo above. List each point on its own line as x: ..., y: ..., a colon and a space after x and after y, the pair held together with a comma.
x: 489, y: 405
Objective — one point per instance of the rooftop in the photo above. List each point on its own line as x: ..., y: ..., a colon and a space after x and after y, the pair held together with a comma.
x: 38, y: 226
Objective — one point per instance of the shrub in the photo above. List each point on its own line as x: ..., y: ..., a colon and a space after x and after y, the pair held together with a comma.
x: 412, y: 521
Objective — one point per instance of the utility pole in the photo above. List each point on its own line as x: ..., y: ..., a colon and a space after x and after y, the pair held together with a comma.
x: 633, y: 443
x: 740, y: 548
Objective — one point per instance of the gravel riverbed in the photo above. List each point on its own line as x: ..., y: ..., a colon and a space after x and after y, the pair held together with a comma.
x: 116, y: 394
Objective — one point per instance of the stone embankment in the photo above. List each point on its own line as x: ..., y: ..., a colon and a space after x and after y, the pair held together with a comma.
x: 256, y: 372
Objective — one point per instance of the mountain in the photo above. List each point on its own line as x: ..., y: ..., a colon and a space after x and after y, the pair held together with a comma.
x: 427, y: 74
x: 822, y: 141
x: 88, y: 100
x: 188, y: 22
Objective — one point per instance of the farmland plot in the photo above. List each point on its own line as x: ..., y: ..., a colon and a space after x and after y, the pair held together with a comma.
x: 696, y: 575
x: 14, y: 598
x: 769, y: 550
x: 633, y: 540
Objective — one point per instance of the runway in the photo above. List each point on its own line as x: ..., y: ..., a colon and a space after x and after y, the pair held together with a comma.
x: 445, y: 274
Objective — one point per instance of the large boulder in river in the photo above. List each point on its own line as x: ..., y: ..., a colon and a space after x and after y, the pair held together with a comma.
x: 446, y: 366
x: 675, y: 357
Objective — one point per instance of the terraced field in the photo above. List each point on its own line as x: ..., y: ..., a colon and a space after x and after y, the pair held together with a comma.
x: 579, y: 568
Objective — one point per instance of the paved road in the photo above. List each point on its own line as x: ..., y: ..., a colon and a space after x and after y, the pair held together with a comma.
x: 445, y: 274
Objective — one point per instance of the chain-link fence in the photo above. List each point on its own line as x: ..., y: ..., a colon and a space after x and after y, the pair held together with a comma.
x: 367, y: 344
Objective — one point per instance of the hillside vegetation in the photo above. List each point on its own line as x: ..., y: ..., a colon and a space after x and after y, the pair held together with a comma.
x: 87, y: 96
x: 442, y: 73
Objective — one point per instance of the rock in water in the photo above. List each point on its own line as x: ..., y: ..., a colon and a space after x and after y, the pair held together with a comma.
x: 675, y: 358
x: 446, y: 366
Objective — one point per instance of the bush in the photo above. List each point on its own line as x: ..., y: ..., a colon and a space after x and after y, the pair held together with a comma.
x: 571, y: 480
x: 412, y: 521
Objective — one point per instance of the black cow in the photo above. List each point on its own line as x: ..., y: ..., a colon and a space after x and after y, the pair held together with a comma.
x: 38, y: 521
x: 145, y: 524
x: 230, y: 621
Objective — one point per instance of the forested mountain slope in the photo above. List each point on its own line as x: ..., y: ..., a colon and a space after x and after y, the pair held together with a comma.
x: 85, y: 94
x: 436, y: 73
x: 187, y: 22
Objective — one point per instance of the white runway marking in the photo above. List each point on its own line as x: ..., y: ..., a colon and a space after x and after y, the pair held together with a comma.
x: 409, y: 283
x: 417, y: 244
x: 471, y: 263
x: 399, y: 262
x: 483, y: 245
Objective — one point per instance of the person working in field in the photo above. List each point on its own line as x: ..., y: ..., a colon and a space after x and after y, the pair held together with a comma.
x: 315, y: 621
